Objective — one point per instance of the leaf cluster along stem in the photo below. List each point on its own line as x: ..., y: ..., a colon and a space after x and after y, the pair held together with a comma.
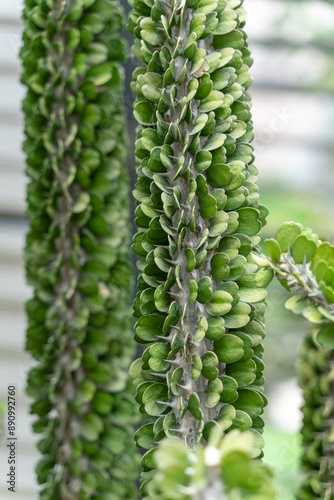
x: 301, y: 280
x: 315, y: 369
x: 305, y: 266
x: 76, y: 250
x: 201, y: 296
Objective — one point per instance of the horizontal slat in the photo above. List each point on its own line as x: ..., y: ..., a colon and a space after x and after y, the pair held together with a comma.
x: 12, y: 235
x: 289, y: 117
x: 13, y: 289
x: 12, y: 193
x: 10, y: 43
x: 11, y: 95
x: 11, y: 139
x: 281, y: 67
x: 282, y: 18
x: 13, y: 327
x: 302, y: 166
x: 11, y: 10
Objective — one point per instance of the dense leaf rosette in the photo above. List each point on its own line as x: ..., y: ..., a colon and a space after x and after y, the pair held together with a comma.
x: 201, y: 298
x: 76, y: 253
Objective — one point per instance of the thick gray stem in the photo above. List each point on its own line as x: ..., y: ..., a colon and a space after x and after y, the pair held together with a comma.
x: 188, y: 423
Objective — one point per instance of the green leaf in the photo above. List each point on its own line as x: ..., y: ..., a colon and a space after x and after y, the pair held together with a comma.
x: 286, y: 234
x: 209, y: 365
x: 201, y: 330
x: 227, y: 22
x: 86, y: 391
x: 172, y: 317
x: 273, y: 249
x: 213, y: 101
x: 218, y: 224
x: 233, y: 39
x: 159, y: 352
x: 161, y: 299
x: 214, y: 142
x: 161, y: 257
x: 154, y: 397
x: 230, y: 386
x: 303, y: 247
x: 203, y: 160
x: 102, y: 403
x: 325, y: 252
x: 194, y: 406
x: 192, y: 89
x: 93, y: 23
x: 199, y: 124
x: 176, y: 380
x: 207, y: 206
x: 221, y: 303
x: 229, y: 349
x: 324, y: 273
x: 147, y: 327
x: 91, y: 427
x: 149, y: 33
x: 197, y: 24
x: 242, y: 421
x: 252, y: 295
x: 215, y: 328
x: 249, y: 223
x: 226, y: 417
x: 242, y: 372
x: 197, y: 370
x: 219, y: 266
x: 238, y: 317
x: 144, y: 112
x: 204, y: 293
x: 101, y: 74
x: 260, y: 260
x: 73, y: 39
x: 327, y: 292
x: 193, y: 288
x: 249, y: 401
x: 219, y: 176
x: 214, y: 389
x: 97, y: 53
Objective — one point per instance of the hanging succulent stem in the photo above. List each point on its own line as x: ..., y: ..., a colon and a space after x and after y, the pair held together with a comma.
x: 315, y: 369
x: 305, y: 266
x: 76, y: 249
x: 201, y: 298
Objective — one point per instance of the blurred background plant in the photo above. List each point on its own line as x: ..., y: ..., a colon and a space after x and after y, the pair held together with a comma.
x: 293, y: 93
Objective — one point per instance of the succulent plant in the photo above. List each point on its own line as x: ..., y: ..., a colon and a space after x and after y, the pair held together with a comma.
x: 222, y: 471
x: 77, y: 257
x: 201, y: 297
x: 305, y: 266
x: 315, y: 370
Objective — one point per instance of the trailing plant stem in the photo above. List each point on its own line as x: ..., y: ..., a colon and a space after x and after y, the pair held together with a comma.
x: 300, y: 279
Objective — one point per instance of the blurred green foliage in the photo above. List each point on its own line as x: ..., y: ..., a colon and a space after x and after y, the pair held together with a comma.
x: 282, y: 453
